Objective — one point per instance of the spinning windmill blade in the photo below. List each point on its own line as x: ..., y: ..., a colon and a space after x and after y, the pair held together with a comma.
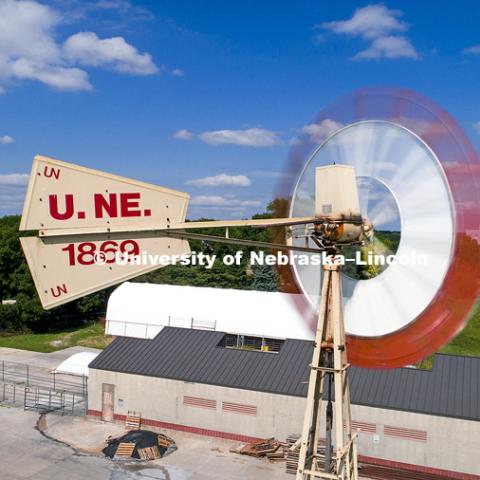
x: 419, y: 184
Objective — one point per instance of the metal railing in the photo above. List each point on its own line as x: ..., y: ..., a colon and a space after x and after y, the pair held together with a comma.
x: 37, y: 388
x: 150, y: 329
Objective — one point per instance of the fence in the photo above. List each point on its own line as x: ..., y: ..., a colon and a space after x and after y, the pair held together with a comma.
x: 150, y: 330
x: 37, y: 388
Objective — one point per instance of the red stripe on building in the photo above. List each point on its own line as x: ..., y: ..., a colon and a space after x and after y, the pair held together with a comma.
x: 200, y: 402
x: 184, y: 428
x: 246, y: 438
x: 239, y: 408
x: 407, y: 433
x: 417, y: 468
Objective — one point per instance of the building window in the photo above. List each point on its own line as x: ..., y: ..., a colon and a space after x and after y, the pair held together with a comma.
x: 247, y: 342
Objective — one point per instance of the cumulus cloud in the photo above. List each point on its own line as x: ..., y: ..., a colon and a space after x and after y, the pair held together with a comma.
x: 388, y: 47
x: 221, y: 180
x: 219, y: 201
x: 372, y: 21
x: 178, y: 72
x: 317, y: 132
x: 251, y: 137
x: 6, y: 139
x: 30, y: 49
x: 474, y: 50
x: 12, y: 191
x: 115, y: 53
x: 14, y: 179
x: 183, y: 135
x: 379, y: 24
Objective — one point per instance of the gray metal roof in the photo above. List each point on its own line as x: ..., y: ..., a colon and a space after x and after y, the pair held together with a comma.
x: 450, y: 389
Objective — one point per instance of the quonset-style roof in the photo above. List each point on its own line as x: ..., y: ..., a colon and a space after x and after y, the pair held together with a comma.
x: 141, y: 310
x: 77, y: 364
x: 451, y: 389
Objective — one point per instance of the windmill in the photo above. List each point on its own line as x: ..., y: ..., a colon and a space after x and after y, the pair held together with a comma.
x: 81, y: 216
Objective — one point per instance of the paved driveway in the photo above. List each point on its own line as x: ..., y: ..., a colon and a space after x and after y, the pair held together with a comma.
x: 27, y: 454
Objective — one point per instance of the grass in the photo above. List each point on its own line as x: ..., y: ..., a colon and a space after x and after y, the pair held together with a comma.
x: 90, y: 336
x: 467, y: 342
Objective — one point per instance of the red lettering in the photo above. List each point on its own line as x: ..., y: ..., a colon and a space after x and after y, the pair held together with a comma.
x: 129, y: 205
x: 50, y: 172
x: 60, y: 289
x: 85, y: 253
x: 101, y: 204
x: 70, y: 248
x: 53, y: 205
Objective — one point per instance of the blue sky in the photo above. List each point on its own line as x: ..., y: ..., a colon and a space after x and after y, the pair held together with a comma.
x: 205, y: 96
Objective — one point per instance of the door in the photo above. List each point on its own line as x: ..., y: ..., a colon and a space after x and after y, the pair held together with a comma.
x: 108, y: 397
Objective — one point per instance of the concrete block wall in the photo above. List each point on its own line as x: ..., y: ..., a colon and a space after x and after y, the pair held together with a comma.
x: 436, y: 443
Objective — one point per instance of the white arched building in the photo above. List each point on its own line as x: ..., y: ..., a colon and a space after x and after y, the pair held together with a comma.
x: 141, y: 310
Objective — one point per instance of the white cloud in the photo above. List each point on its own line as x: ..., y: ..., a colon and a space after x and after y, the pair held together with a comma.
x: 222, y: 180
x: 476, y: 126
x: 317, y: 132
x: 372, y: 21
x: 14, y: 179
x: 12, y: 191
x: 183, y: 135
x: 388, y: 47
x: 219, y: 201
x: 475, y: 49
x: 30, y: 49
x: 115, y: 53
x: 6, y: 139
x: 252, y: 137
x: 178, y: 72
x: 379, y: 24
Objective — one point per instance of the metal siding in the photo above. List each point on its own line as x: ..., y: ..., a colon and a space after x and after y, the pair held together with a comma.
x: 451, y: 389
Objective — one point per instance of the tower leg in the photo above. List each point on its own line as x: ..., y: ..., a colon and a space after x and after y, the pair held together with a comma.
x: 329, y: 360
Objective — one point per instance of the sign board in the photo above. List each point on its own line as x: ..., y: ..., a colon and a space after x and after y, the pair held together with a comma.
x: 63, y: 196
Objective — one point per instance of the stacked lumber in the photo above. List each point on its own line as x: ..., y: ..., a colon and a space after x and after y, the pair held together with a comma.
x: 293, y: 454
x: 125, y: 450
x: 133, y: 421
x: 277, y: 456
x: 261, y: 448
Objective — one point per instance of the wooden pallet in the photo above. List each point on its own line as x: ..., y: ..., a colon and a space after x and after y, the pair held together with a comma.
x: 133, y: 421
x: 163, y: 441
x: 125, y: 450
x: 149, y: 453
x: 260, y: 448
